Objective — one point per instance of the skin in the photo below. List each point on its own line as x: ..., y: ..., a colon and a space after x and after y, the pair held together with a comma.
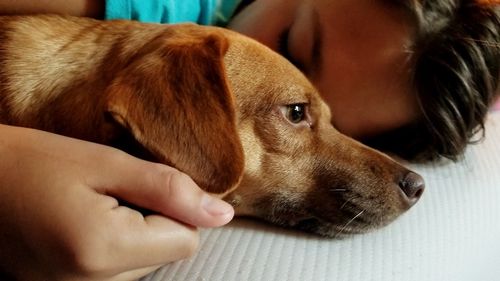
x: 67, y: 235
x: 355, y: 52
x: 361, y: 68
x: 334, y: 42
x: 60, y: 217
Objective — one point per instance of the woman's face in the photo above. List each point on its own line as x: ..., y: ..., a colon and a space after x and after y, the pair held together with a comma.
x: 355, y: 52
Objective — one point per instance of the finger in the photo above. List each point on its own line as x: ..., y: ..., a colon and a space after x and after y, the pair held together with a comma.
x: 134, y: 274
x: 164, y: 190
x: 145, y: 242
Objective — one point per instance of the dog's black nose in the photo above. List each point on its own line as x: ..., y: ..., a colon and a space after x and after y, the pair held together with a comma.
x: 413, y: 186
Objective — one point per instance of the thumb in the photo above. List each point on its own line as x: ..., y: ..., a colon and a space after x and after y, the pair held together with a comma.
x: 165, y: 190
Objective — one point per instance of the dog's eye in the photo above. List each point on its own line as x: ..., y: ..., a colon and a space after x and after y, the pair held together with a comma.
x: 296, y: 113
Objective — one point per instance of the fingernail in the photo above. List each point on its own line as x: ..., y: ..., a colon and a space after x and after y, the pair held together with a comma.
x: 215, y: 206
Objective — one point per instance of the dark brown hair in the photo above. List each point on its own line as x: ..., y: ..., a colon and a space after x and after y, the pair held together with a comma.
x: 456, y: 76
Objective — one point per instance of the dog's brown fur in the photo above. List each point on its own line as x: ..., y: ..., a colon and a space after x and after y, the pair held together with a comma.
x: 206, y: 100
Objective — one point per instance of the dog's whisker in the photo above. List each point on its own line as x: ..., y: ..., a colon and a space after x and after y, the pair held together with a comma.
x: 338, y: 190
x: 349, y: 222
x: 345, y: 203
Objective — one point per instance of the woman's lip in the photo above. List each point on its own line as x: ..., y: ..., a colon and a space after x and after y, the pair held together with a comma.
x: 242, y: 5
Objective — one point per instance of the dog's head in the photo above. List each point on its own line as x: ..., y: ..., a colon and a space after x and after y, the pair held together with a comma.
x: 246, y: 124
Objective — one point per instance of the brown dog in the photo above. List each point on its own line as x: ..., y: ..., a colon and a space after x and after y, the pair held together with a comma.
x: 238, y: 118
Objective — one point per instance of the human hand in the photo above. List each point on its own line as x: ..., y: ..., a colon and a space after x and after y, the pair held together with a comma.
x: 60, y: 218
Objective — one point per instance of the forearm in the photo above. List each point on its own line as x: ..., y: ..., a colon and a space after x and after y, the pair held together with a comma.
x: 87, y: 8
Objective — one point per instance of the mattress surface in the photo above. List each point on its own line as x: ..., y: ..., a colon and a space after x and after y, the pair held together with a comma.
x: 452, y: 234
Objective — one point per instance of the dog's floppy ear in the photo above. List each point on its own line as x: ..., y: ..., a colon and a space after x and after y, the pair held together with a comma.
x: 177, y: 104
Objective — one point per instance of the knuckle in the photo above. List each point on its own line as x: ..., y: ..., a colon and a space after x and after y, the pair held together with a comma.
x: 86, y: 264
x: 190, y: 243
x: 171, y: 178
x: 117, y: 155
x: 87, y: 254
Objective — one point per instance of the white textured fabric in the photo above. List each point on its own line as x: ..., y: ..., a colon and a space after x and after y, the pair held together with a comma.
x: 452, y: 234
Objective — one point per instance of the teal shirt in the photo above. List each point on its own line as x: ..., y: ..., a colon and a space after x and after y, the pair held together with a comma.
x: 206, y: 12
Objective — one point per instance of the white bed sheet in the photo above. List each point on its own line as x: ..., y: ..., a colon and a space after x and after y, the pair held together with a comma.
x: 452, y: 234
